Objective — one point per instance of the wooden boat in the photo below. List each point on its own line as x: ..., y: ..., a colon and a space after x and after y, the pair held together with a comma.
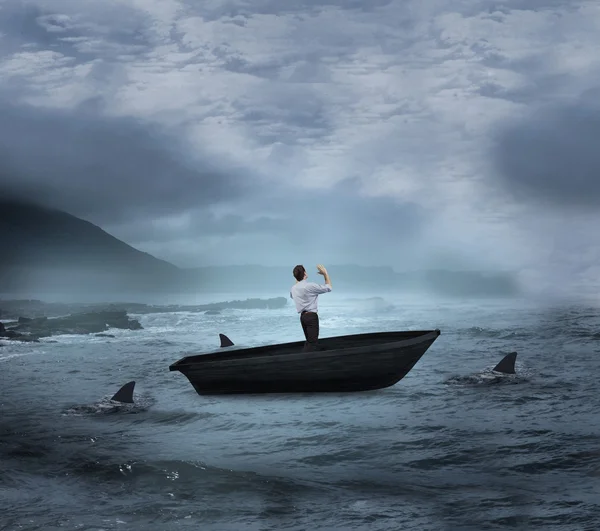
x: 350, y: 363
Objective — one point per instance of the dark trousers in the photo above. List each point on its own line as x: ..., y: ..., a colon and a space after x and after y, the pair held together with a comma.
x: 310, y: 326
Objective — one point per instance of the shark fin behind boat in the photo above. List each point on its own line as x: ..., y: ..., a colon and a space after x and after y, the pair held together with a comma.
x: 125, y: 394
x: 507, y: 364
x: 225, y: 341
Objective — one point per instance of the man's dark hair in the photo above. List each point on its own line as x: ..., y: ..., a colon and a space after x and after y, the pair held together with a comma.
x: 299, y: 272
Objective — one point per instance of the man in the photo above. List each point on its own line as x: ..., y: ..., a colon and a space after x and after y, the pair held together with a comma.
x: 305, y: 295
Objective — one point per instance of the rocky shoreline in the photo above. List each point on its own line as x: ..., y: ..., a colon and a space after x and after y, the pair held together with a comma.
x: 32, y: 329
x: 13, y: 309
x: 30, y: 320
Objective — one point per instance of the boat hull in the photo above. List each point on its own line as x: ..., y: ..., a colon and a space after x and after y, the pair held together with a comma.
x: 364, y: 367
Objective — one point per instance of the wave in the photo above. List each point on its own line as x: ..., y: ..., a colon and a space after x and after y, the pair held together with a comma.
x: 496, y: 333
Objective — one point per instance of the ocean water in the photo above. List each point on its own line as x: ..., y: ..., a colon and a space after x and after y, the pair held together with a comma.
x: 445, y: 448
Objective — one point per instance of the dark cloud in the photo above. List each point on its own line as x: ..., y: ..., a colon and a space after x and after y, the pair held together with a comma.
x: 280, y: 223
x: 84, y: 35
x: 505, y: 6
x: 243, y: 9
x: 308, y: 215
x: 293, y: 112
x: 23, y: 25
x: 552, y: 155
x: 307, y: 66
x: 106, y: 169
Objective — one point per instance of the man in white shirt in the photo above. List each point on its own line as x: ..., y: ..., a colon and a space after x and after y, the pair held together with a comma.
x: 305, y: 295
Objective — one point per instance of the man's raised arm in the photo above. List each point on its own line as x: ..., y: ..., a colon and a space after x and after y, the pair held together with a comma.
x: 323, y: 271
x: 318, y: 289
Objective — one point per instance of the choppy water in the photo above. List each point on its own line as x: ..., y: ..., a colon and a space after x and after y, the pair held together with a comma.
x: 436, y: 451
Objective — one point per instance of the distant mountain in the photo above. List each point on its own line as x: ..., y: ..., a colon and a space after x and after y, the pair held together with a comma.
x: 32, y: 233
x: 46, y: 251
x: 48, y: 246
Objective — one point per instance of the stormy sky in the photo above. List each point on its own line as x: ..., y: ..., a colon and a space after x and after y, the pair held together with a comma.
x: 412, y: 133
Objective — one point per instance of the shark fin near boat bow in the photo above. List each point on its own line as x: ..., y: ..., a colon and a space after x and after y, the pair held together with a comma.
x: 225, y: 341
x: 507, y: 364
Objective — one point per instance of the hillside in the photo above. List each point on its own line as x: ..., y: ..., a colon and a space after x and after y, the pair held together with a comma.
x: 32, y: 233
x: 43, y: 246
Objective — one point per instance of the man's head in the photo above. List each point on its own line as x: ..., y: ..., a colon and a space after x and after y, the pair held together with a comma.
x: 300, y: 273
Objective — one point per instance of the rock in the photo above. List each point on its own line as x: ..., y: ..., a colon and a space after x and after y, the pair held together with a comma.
x: 28, y: 329
x: 212, y: 312
x: 29, y: 339
x: 134, y: 324
x: 12, y: 334
x: 104, y: 335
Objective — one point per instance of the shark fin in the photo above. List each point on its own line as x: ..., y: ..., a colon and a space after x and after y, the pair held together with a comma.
x: 125, y: 394
x: 225, y: 341
x: 507, y: 364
